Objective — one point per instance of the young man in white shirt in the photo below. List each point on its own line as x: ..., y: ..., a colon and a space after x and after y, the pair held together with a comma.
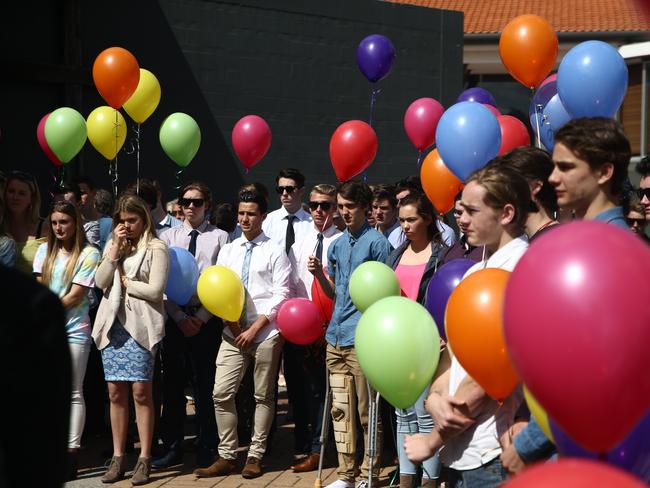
x: 265, y: 271
x: 311, y: 371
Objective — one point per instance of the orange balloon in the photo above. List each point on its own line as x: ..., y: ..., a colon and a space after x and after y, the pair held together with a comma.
x: 528, y: 49
x: 474, y: 324
x: 440, y: 185
x: 116, y: 74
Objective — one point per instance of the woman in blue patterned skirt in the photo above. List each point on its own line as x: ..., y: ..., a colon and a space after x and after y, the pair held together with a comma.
x: 129, y: 326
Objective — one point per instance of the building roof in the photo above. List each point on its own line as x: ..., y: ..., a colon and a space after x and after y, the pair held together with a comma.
x: 491, y: 16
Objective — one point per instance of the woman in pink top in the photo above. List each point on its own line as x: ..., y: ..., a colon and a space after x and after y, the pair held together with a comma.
x: 415, y: 262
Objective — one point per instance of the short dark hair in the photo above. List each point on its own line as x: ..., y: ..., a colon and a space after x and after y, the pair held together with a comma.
x: 103, y: 202
x: 293, y: 174
x: 425, y: 209
x: 356, y: 191
x: 198, y: 186
x: 411, y: 183
x: 534, y: 164
x: 385, y: 192
x: 257, y: 186
x: 69, y: 187
x: 147, y: 190
x: 598, y: 141
x: 253, y: 196
x: 84, y: 179
x: 225, y: 217
x: 643, y: 167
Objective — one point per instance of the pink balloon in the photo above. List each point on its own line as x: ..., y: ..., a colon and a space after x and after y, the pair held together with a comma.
x: 577, y: 325
x: 548, y: 80
x: 299, y: 321
x: 421, y: 120
x: 40, y: 136
x: 492, y: 109
x: 514, y: 133
x: 251, y: 139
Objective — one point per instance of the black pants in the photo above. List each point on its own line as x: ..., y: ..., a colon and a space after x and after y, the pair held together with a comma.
x: 194, y: 359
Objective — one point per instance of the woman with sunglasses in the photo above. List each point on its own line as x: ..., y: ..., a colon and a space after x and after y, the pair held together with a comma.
x: 415, y: 262
x: 66, y: 263
x: 129, y: 325
x: 22, y: 219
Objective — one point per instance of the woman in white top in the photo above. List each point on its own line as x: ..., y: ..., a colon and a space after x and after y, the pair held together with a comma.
x: 470, y: 426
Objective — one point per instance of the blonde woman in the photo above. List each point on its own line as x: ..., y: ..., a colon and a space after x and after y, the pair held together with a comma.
x: 129, y: 326
x: 66, y: 263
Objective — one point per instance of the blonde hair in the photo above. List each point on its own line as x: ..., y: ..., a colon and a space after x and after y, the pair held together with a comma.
x: 55, y: 245
x: 324, y: 189
x: 134, y: 204
x: 35, y: 199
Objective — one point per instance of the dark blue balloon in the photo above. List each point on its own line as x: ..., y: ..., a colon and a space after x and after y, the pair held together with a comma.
x: 467, y: 137
x: 440, y: 287
x: 541, y: 97
x: 183, y: 276
x: 477, y: 94
x: 592, y: 80
x: 375, y: 57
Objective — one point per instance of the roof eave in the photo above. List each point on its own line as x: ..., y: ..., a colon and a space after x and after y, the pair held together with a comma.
x: 571, y: 36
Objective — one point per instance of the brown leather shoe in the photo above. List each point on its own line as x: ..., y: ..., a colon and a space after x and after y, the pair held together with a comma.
x: 221, y: 467
x: 252, y: 469
x: 310, y: 463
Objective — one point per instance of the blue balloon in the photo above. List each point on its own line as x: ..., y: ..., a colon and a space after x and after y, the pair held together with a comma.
x: 375, y: 57
x: 541, y: 97
x: 554, y: 117
x: 592, y: 80
x: 468, y: 136
x: 183, y: 276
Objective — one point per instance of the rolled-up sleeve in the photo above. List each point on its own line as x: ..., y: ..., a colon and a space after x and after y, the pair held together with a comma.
x: 280, y: 288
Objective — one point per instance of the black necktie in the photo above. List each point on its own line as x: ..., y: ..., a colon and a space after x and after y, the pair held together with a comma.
x: 319, y: 247
x: 192, y: 249
x: 291, y: 235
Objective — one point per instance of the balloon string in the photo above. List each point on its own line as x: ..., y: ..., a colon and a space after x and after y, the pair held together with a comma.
x: 136, y: 129
x: 178, y: 174
x: 373, y: 100
x: 419, y: 158
x: 538, y: 109
x: 113, y: 172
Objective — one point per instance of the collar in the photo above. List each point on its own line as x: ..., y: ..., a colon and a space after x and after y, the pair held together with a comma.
x: 610, y: 214
x: 352, y: 237
x: 301, y: 214
x: 329, y: 232
x: 499, y: 258
x: 258, y: 240
x: 390, y: 230
x: 166, y: 221
x: 201, y: 228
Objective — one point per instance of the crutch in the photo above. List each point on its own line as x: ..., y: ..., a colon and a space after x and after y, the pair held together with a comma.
x: 324, y: 429
x: 373, y: 402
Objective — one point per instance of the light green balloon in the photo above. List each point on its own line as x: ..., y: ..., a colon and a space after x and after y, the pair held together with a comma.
x: 371, y: 282
x: 398, y: 348
x: 65, y: 132
x: 180, y: 138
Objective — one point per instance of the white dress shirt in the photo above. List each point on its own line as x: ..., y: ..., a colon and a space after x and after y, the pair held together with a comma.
x: 301, y: 279
x: 275, y: 225
x: 480, y: 443
x: 269, y: 276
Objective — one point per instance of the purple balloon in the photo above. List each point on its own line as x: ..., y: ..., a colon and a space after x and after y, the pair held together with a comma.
x: 440, y: 287
x: 544, y: 93
x: 375, y: 57
x: 632, y: 455
x: 477, y: 94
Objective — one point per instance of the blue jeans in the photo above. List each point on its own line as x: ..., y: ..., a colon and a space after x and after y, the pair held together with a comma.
x: 415, y: 420
x: 490, y: 475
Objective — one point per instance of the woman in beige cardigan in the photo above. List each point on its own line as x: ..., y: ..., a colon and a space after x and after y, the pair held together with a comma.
x: 129, y: 326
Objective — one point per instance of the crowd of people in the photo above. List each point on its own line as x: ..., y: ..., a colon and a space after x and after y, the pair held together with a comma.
x: 108, y: 262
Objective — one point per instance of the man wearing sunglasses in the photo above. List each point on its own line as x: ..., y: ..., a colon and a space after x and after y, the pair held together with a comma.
x: 643, y: 168
x: 310, y: 372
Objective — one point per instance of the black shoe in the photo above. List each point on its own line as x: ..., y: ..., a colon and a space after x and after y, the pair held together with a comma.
x: 204, y: 457
x: 174, y: 457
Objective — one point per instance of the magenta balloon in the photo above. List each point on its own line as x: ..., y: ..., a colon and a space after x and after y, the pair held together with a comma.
x: 251, y: 139
x: 299, y: 321
x: 42, y: 141
x: 421, y: 120
x: 577, y: 326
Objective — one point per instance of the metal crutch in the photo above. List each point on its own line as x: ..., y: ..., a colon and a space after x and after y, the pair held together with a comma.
x: 324, y: 429
x: 373, y: 402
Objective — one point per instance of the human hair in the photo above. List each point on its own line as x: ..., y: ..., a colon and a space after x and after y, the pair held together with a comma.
x: 103, y: 202
x: 643, y: 167
x: 410, y: 183
x: 598, y: 141
x: 84, y: 179
x: 146, y: 189
x: 633, y: 204
x: 253, y: 196
x: 64, y: 188
x: 425, y: 209
x: 357, y: 192
x: 258, y: 187
x: 534, y: 164
x: 203, y: 188
x: 225, y: 217
x: 324, y: 189
x: 33, y: 214
x: 293, y: 174
x: 385, y: 192
x: 54, y: 245
x: 130, y: 203
x: 504, y: 186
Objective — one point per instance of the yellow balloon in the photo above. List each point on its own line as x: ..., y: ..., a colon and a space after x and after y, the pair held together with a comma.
x: 221, y: 292
x: 145, y: 98
x: 539, y: 413
x: 106, y: 131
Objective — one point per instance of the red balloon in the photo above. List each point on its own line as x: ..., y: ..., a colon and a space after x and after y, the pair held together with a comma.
x: 42, y: 141
x: 421, y: 120
x: 353, y: 147
x: 116, y: 74
x: 299, y: 321
x: 251, y: 139
x: 324, y: 303
x: 573, y: 473
x: 492, y: 108
x: 513, y: 133
x: 577, y: 326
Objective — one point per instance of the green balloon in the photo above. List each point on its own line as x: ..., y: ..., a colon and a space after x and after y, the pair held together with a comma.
x: 398, y: 348
x: 180, y: 138
x: 65, y: 133
x: 370, y: 282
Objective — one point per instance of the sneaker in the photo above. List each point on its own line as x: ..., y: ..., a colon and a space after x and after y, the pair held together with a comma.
x: 341, y: 484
